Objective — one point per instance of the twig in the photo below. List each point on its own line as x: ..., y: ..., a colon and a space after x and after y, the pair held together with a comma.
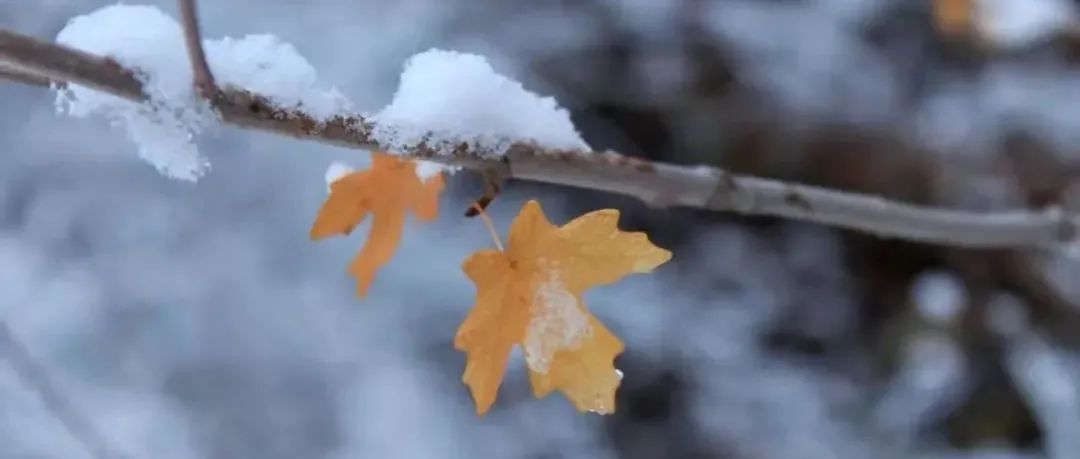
x: 33, y: 375
x: 493, y: 183
x: 489, y: 224
x: 14, y: 74
x: 654, y: 182
x: 204, y: 80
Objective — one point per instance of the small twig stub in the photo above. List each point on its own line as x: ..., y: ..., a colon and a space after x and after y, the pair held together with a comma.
x: 204, y: 79
x: 493, y: 183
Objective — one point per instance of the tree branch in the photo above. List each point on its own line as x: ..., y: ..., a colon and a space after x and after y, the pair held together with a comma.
x: 15, y: 74
x: 33, y: 375
x: 654, y: 182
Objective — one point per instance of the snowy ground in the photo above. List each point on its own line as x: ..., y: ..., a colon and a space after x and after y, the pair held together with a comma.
x: 196, y: 319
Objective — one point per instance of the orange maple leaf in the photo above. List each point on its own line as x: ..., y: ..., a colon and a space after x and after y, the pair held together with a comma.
x: 955, y: 17
x: 386, y: 191
x: 530, y: 295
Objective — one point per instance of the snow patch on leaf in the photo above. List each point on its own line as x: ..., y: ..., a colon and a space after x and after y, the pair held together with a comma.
x: 556, y: 322
x: 386, y: 191
x: 427, y: 170
x: 335, y: 171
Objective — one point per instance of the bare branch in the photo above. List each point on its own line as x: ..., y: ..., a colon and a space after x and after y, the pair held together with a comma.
x: 654, y: 182
x: 34, y: 376
x: 15, y: 74
x: 189, y: 19
x: 62, y: 64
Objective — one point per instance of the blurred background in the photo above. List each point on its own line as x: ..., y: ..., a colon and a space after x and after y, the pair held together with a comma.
x: 196, y: 321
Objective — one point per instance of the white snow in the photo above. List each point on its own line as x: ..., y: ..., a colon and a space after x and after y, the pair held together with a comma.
x: 425, y: 170
x: 1042, y: 375
x: 933, y: 370
x: 270, y: 67
x: 447, y: 98
x: 428, y: 170
x: 145, y: 38
x: 336, y: 171
x: 1013, y: 23
x: 939, y: 297
x: 556, y: 321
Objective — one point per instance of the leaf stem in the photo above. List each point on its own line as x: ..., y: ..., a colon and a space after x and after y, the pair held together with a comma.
x: 490, y: 226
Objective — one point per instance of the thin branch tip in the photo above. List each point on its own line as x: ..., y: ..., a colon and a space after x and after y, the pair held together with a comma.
x: 494, y: 178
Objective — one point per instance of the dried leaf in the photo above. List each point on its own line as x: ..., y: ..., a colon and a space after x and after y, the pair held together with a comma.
x: 386, y: 191
x: 530, y: 295
x: 954, y: 17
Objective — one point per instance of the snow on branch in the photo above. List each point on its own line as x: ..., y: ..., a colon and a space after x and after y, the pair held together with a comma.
x: 475, y: 119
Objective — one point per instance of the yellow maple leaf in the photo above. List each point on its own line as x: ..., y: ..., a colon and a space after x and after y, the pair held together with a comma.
x: 386, y: 191
x: 530, y: 295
